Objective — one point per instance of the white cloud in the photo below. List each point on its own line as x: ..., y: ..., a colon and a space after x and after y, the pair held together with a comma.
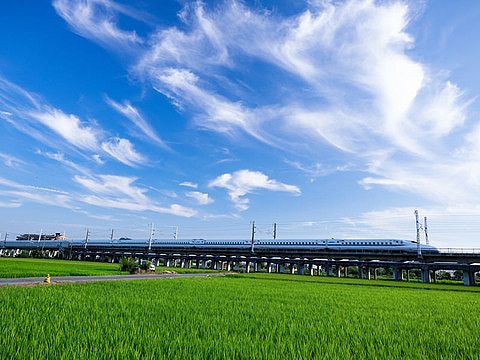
x: 119, y: 192
x: 11, y: 161
x: 243, y: 182
x: 15, y: 185
x: 360, y: 90
x: 341, y: 77
x: 38, y: 194
x: 199, y: 197
x: 189, y: 184
x: 98, y: 159
x: 317, y: 169
x: 60, y: 157
x: 30, y: 115
x: 69, y: 127
x: 41, y: 198
x: 113, y: 185
x: 134, y: 115
x: 214, y: 112
x: 12, y: 204
x: 123, y: 151
x: 95, y: 20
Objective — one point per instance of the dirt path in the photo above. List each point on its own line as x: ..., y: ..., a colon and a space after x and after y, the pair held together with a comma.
x: 79, y: 279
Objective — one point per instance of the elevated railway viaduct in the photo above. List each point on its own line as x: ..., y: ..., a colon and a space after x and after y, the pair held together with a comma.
x: 301, y: 261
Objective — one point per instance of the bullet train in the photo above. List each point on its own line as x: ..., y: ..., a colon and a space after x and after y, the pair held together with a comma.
x: 320, y: 244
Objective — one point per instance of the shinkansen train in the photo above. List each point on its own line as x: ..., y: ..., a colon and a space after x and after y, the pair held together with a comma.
x: 320, y: 244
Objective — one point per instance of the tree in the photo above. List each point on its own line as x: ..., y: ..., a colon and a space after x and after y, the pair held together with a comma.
x: 128, y: 264
x: 458, y: 274
x: 146, y: 265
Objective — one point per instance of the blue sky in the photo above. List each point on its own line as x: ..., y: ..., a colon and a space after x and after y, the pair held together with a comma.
x: 333, y: 119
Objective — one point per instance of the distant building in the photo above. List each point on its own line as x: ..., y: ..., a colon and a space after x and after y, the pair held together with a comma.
x: 56, y: 236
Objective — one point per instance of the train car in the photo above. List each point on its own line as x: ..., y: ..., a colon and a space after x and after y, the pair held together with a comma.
x: 294, y: 244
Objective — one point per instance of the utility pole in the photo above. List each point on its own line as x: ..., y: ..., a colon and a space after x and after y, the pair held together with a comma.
x: 111, y: 236
x: 87, y: 236
x: 274, y: 231
x: 425, y: 228
x: 40, y: 235
x: 417, y: 224
x: 150, y: 239
x: 253, y: 235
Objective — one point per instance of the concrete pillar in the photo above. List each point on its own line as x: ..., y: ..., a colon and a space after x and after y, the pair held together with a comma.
x: 183, y: 263
x: 434, y: 276
x: 425, y: 275
x: 168, y: 263
x: 328, y: 270
x: 397, y: 274
x: 229, y: 266
x: 369, y: 273
x: 247, y: 266
x: 256, y: 266
x: 338, y: 270
x: 345, y: 271
x: 301, y: 269
x: 310, y: 269
x: 269, y: 267
x: 292, y: 268
x: 408, y: 274
x: 468, y: 278
x: 360, y: 272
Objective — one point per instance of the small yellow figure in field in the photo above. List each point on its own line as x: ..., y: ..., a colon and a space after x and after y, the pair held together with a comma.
x: 47, y: 279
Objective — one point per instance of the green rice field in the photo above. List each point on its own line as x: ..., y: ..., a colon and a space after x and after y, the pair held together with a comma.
x: 261, y: 316
x: 28, y: 267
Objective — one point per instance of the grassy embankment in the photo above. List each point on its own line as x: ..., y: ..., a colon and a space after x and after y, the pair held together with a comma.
x: 28, y: 267
x: 240, y: 317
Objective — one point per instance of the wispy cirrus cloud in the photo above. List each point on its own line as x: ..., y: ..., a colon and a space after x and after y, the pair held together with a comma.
x: 199, y: 197
x: 317, y: 169
x: 189, y: 184
x: 123, y: 151
x: 68, y: 126
x: 134, y: 115
x: 341, y: 76
x: 361, y: 92
x: 18, y: 193
x: 119, y: 192
x: 60, y: 157
x: 244, y: 182
x: 11, y: 161
x: 11, y: 204
x: 29, y: 114
x: 106, y: 191
x: 96, y: 20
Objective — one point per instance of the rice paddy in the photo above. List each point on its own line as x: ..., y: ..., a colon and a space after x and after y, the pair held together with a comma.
x: 240, y: 317
x: 28, y: 267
